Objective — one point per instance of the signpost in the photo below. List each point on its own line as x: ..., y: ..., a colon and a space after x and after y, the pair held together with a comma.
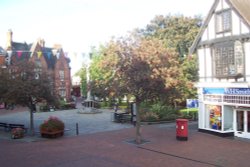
x: 191, y: 103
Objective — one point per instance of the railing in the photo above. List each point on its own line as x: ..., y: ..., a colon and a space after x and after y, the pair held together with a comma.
x: 245, y: 78
x: 228, y: 99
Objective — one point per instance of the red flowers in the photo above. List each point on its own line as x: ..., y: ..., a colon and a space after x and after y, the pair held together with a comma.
x: 52, y: 124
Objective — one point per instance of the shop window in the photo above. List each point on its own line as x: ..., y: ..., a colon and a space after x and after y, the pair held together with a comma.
x: 223, y: 21
x: 228, y: 118
x: 214, y: 117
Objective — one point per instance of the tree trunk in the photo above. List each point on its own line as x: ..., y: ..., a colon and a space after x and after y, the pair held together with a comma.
x: 138, y: 125
x: 32, y: 130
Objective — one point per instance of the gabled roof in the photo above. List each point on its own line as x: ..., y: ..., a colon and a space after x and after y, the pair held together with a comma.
x: 2, y: 51
x: 49, y: 57
x: 241, y: 7
x: 20, y: 46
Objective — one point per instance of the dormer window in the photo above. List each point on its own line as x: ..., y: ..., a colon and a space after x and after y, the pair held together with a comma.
x: 223, y: 21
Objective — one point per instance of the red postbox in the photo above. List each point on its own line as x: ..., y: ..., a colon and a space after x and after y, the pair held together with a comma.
x: 182, y: 129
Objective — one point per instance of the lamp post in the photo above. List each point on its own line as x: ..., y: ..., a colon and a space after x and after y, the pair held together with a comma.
x: 88, y: 82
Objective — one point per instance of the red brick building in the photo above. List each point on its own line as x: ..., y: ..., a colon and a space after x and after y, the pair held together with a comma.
x: 52, y: 60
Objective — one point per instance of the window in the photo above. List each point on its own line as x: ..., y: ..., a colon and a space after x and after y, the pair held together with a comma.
x: 214, y: 117
x: 61, y: 74
x: 62, y: 92
x: 223, y: 21
x: 238, y: 99
x: 38, y: 63
x: 228, y: 60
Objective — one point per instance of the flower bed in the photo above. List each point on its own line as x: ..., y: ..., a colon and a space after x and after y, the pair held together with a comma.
x: 54, y: 134
x: 17, y: 133
x: 53, y: 127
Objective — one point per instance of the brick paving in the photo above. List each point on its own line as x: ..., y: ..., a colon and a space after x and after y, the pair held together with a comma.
x: 110, y: 149
x: 104, y: 143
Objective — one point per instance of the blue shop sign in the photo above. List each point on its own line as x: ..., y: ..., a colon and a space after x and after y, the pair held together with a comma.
x: 237, y: 91
x: 227, y: 91
x: 213, y: 90
x: 192, y: 103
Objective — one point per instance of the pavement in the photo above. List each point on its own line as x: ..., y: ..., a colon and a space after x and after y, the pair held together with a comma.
x: 86, y: 123
x: 113, y: 148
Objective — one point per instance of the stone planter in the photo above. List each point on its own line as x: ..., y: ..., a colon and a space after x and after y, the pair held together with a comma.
x: 15, y: 136
x: 54, y: 134
x: 17, y: 133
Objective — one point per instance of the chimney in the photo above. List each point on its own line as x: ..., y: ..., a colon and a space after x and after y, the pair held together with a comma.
x: 41, y: 42
x: 57, y: 46
x: 9, y: 39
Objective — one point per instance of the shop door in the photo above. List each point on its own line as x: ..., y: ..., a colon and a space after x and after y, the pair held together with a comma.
x: 242, y: 123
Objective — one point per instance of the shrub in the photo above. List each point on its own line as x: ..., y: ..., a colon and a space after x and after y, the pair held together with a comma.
x: 149, y: 116
x: 52, y: 124
x: 164, y: 112
x: 191, y: 113
x: 70, y: 105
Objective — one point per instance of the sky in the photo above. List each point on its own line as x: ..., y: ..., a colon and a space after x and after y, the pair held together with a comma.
x: 80, y: 24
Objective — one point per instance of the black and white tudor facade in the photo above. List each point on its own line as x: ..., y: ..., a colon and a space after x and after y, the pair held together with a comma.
x: 223, y: 49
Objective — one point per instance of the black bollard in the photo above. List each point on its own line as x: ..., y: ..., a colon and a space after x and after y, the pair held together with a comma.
x: 77, y: 130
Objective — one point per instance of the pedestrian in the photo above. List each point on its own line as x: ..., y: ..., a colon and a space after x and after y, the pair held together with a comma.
x: 116, y: 107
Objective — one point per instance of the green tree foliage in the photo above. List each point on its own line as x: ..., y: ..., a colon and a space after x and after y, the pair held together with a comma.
x: 147, y: 68
x: 82, y: 74
x: 177, y: 31
x: 24, y: 84
x: 104, y: 79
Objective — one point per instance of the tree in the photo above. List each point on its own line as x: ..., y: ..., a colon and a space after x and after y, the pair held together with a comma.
x: 177, y: 31
x: 151, y: 64
x: 103, y: 70
x: 82, y: 74
x: 147, y: 69
x: 25, y: 83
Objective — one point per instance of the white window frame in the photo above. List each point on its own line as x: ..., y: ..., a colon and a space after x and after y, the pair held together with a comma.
x: 223, y: 21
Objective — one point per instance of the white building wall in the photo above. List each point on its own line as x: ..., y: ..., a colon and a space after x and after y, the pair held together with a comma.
x: 201, y: 116
x: 201, y: 64
x: 205, y: 35
x: 235, y: 24
x: 247, y: 60
x: 208, y: 65
x: 201, y: 113
x: 225, y: 5
x: 244, y: 28
x: 219, y: 6
x: 211, y: 28
x: 222, y: 5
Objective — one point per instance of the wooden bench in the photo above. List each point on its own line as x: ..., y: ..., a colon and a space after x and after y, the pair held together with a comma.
x: 8, y: 127
x: 122, y: 117
x: 4, y: 125
x: 12, y: 126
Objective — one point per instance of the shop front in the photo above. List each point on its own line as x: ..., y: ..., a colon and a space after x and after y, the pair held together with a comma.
x: 242, y: 124
x: 225, y: 111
